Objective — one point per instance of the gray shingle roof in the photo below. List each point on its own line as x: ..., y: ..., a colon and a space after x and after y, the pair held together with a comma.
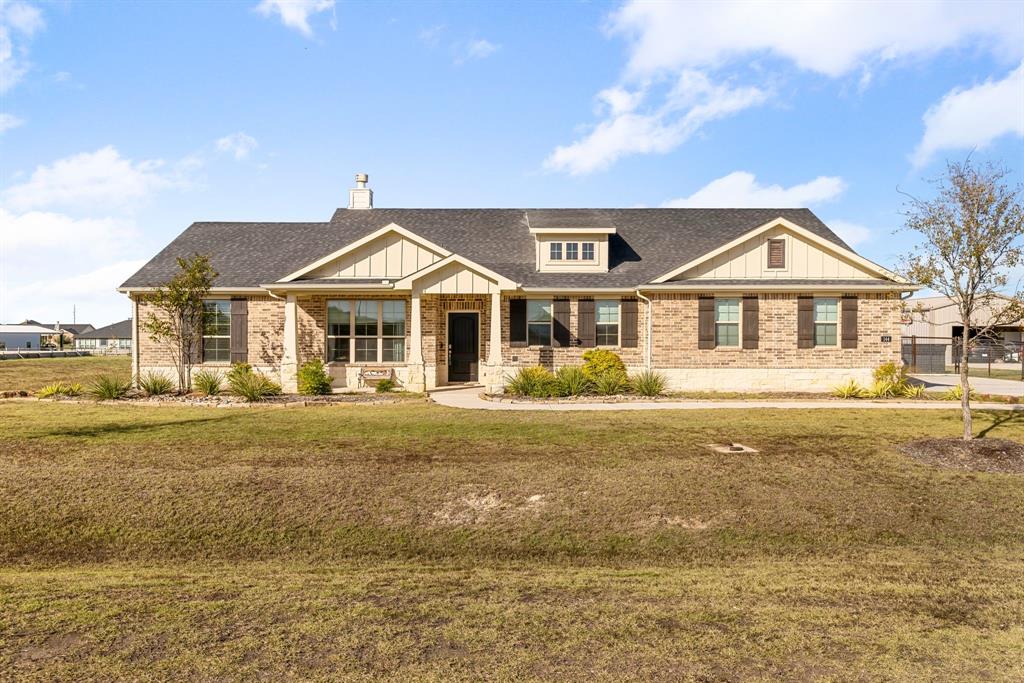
x: 648, y: 242
x: 118, y: 330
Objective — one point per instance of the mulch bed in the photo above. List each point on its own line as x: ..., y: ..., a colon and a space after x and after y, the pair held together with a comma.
x: 978, y: 455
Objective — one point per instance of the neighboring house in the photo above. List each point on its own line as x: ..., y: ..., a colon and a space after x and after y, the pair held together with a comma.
x: 24, y: 336
x: 114, y: 338
x: 728, y: 299
x: 69, y: 330
x: 933, y: 322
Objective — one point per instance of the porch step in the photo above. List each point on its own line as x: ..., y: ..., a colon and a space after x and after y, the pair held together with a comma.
x: 456, y: 387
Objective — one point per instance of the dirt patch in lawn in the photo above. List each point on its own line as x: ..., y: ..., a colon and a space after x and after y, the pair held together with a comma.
x: 978, y: 455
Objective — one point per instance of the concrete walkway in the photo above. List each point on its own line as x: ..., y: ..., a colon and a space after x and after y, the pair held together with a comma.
x: 469, y: 398
x: 983, y: 385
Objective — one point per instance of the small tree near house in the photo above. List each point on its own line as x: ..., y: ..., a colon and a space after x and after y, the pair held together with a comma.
x: 178, y: 315
x: 971, y: 243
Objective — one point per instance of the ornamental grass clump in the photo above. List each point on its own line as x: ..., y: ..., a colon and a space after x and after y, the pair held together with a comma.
x: 251, y: 385
x: 648, y: 383
x: 109, y: 387
x: 849, y: 389
x: 313, y: 379
x: 611, y: 384
x: 536, y: 382
x: 385, y: 385
x: 956, y: 393
x: 208, y: 382
x: 156, y: 384
x: 572, y: 381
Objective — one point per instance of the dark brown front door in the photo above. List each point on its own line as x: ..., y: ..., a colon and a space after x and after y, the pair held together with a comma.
x: 463, y: 346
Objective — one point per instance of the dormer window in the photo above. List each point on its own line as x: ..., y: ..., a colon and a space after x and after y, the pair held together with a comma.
x: 572, y: 251
x: 588, y: 251
x: 556, y: 251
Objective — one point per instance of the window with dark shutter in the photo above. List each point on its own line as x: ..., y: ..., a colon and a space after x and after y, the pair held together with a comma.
x: 776, y: 253
x: 706, y: 322
x: 850, y: 322
x: 629, y: 336
x: 751, y: 325
x: 561, y: 323
x: 239, y: 330
x: 517, y: 322
x: 585, y: 323
x: 805, y: 322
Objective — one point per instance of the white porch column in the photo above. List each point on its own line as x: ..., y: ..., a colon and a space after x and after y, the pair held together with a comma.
x: 290, y: 357
x: 417, y: 382
x: 496, y: 378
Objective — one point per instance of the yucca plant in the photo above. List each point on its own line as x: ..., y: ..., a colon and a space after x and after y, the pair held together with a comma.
x: 850, y: 389
x: 611, y: 384
x: 60, y: 389
x: 571, y: 381
x: 909, y: 390
x: 156, y: 384
x: 648, y: 383
x: 385, y: 385
x: 956, y: 393
x: 208, y: 382
x: 883, y: 388
x: 537, y: 382
x: 109, y: 387
x: 255, y: 386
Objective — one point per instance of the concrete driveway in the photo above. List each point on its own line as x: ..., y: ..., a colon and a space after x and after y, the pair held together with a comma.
x: 983, y: 385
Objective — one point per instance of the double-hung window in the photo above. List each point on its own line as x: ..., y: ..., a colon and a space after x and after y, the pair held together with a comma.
x: 727, y: 322
x: 826, y: 322
x: 538, y: 322
x: 217, y: 331
x: 606, y: 315
x: 366, y: 331
x: 572, y: 251
x: 587, y: 251
x: 555, y: 251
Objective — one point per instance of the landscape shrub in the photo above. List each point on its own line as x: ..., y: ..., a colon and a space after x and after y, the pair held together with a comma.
x: 385, y: 385
x: 611, y: 384
x: 890, y: 372
x: 155, y: 384
x: 600, y: 362
x: 238, y: 372
x: 883, y: 388
x: 208, y: 382
x: 648, y: 383
x: 572, y: 381
x: 109, y: 387
x: 912, y: 390
x: 254, y: 386
x: 313, y: 379
x: 537, y: 382
x: 956, y: 393
x: 60, y: 389
x: 850, y: 389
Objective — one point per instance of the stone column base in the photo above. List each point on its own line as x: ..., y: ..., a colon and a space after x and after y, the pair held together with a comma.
x: 417, y: 381
x: 290, y: 377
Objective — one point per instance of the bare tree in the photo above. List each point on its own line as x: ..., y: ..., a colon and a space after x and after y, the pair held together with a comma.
x: 178, y: 315
x: 971, y: 243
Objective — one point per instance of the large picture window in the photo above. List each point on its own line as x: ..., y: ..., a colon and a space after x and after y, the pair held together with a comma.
x: 538, y: 322
x: 366, y: 331
x: 727, y: 322
x: 217, y: 331
x: 826, y: 322
x: 606, y: 315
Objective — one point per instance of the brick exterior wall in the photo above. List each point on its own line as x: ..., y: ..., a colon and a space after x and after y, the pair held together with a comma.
x: 311, y: 319
x: 555, y: 357
x: 435, y: 308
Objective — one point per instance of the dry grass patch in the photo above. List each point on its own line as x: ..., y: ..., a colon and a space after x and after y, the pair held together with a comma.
x: 29, y: 374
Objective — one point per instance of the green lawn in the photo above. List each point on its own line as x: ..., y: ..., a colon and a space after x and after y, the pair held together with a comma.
x: 30, y: 374
x: 413, y: 541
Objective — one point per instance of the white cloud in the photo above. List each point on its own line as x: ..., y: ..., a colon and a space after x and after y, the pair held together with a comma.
x: 101, y: 178
x: 295, y: 13
x: 59, y: 232
x: 239, y: 144
x: 740, y: 189
x: 692, y: 102
x: 9, y: 121
x: 92, y: 293
x: 830, y: 38
x: 479, y: 48
x: 431, y: 36
x: 19, y: 21
x: 974, y: 117
x: 853, y: 234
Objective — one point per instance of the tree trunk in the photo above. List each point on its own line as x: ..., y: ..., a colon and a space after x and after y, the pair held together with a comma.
x: 965, y: 386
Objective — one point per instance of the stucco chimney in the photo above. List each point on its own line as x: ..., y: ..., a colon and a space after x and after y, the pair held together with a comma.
x: 361, y: 197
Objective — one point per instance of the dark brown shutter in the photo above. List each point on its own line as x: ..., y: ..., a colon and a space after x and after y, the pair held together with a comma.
x: 239, y: 330
x: 849, y: 322
x: 586, y: 327
x: 627, y: 333
x: 517, y: 322
x: 706, y: 322
x: 751, y: 326
x: 776, y: 253
x: 805, y: 322
x: 560, y: 322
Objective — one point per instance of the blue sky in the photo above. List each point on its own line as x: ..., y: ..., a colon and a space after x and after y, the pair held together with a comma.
x: 123, y: 123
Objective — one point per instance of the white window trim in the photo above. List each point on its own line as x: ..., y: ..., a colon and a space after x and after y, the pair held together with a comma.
x: 205, y: 336
x: 816, y: 322
x: 593, y: 252
x: 618, y: 323
x: 352, y: 336
x: 739, y: 324
x: 551, y: 325
x: 551, y: 251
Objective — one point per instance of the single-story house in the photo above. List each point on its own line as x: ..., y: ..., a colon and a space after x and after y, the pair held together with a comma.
x: 24, y: 336
x: 113, y: 338
x: 70, y: 330
x: 933, y: 328
x: 727, y: 299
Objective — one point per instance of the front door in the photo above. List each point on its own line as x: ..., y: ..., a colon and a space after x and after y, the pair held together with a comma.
x: 463, y: 346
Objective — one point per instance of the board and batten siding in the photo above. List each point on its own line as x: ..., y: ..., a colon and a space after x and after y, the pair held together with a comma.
x: 803, y: 260
x: 389, y: 256
x: 455, y: 279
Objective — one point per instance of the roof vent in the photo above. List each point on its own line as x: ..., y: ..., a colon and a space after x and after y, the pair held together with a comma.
x: 361, y: 197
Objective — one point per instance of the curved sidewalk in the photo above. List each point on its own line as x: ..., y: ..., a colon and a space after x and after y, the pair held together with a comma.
x: 470, y: 399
